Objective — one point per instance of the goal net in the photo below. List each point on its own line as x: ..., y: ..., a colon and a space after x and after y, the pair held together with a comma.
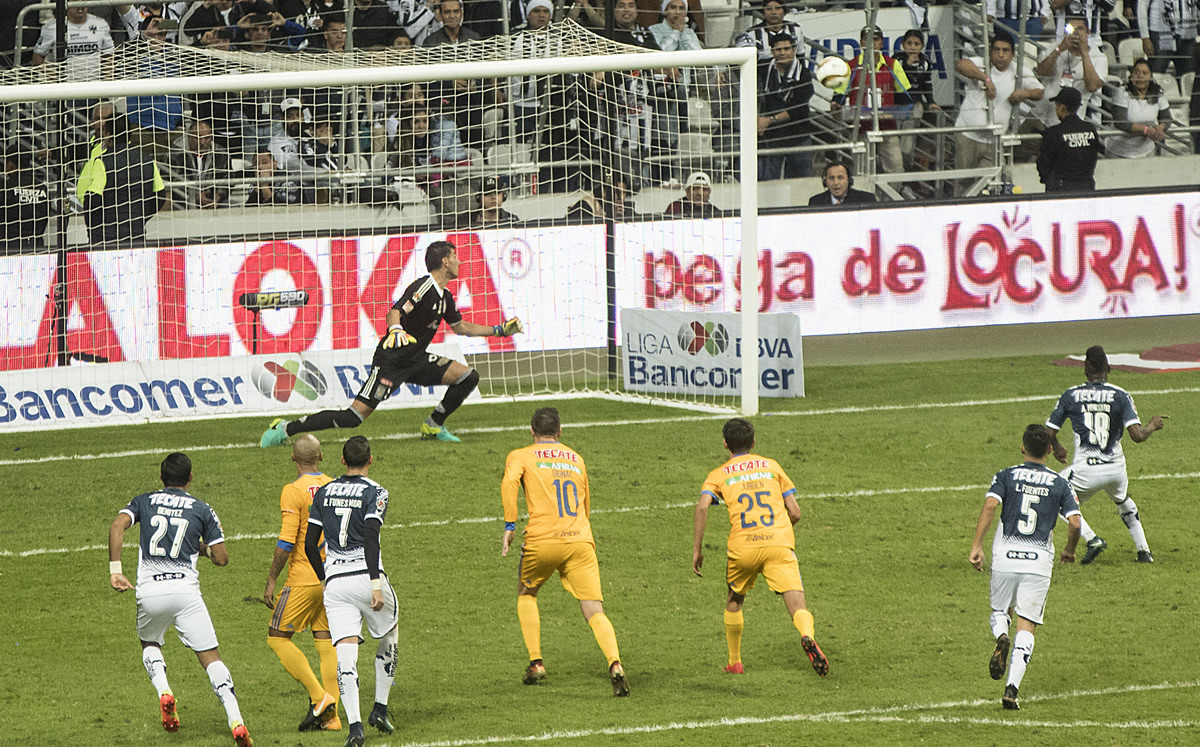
x: 165, y: 192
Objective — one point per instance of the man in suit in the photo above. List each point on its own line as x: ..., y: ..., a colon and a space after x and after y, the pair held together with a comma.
x: 839, y: 188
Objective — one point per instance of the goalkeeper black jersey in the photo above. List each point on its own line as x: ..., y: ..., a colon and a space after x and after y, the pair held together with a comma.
x: 422, y: 306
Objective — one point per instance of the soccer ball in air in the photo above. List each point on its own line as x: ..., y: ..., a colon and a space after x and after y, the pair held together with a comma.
x: 833, y: 72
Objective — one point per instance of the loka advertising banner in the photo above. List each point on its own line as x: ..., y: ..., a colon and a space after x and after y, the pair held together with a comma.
x: 190, y: 302
x: 932, y: 267
x: 119, y: 393
x: 695, y: 353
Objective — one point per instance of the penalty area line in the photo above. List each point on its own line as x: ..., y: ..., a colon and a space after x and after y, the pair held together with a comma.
x: 879, y: 714
x: 601, y: 424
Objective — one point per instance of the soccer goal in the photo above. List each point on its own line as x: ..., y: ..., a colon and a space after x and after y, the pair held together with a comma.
x: 226, y: 230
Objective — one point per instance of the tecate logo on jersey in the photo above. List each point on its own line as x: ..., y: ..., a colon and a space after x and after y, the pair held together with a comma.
x: 711, y: 337
x: 279, y: 381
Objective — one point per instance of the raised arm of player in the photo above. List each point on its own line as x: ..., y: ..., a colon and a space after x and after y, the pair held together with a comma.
x: 510, y: 485
x: 116, y: 536
x: 471, y: 329
x: 1060, y: 451
x: 1140, y: 433
x: 985, y: 520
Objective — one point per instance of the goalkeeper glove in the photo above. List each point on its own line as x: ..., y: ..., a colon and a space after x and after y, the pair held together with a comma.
x: 396, y: 337
x: 509, y: 328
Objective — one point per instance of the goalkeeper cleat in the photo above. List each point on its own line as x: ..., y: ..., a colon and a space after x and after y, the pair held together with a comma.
x: 170, y: 720
x: 241, y: 737
x: 1144, y: 556
x: 735, y: 668
x: 534, y: 673
x: 1009, y: 701
x: 319, y: 713
x: 1095, y: 546
x: 275, y: 435
x: 438, y: 433
x: 356, y: 738
x: 999, y: 660
x: 616, y: 673
x: 379, y: 719
x: 820, y: 664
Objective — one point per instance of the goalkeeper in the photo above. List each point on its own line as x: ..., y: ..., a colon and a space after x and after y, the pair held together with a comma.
x: 401, y: 356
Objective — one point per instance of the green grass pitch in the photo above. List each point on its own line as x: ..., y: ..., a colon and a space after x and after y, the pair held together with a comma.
x: 890, y: 491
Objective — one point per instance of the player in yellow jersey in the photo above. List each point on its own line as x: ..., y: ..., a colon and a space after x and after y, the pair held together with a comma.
x: 760, y: 496
x: 557, y: 538
x: 300, y: 603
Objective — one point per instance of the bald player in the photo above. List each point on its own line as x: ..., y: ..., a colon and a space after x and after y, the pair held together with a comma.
x: 557, y: 538
x: 300, y: 604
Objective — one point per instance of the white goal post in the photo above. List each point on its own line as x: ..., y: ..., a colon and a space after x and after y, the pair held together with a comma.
x: 39, y: 85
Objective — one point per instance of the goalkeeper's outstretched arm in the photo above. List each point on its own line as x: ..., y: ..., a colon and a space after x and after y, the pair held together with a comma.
x: 471, y: 329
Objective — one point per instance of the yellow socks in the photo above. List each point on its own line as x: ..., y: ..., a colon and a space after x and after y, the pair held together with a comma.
x: 296, y: 664
x: 803, y: 620
x: 531, y: 625
x: 735, y: 623
x: 328, y: 665
x: 605, y: 636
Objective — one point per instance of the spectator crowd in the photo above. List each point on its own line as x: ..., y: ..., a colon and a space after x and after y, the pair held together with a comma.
x: 604, y: 135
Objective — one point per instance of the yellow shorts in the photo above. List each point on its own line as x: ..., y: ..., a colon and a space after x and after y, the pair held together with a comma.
x: 300, y: 607
x: 777, y: 564
x: 576, y: 565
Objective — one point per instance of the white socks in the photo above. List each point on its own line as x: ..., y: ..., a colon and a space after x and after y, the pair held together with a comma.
x: 1086, y: 533
x: 347, y: 673
x: 1129, y: 515
x: 222, y: 685
x: 385, y: 665
x: 1022, y: 651
x: 156, y: 667
x: 1000, y: 622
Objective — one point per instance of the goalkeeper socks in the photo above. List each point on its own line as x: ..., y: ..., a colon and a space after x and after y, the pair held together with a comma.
x: 531, y: 625
x: 156, y: 667
x: 328, y: 656
x: 347, y: 674
x: 296, y: 664
x: 735, y: 623
x: 324, y: 420
x: 803, y: 620
x: 1000, y: 623
x: 1022, y: 651
x: 385, y: 665
x: 605, y: 635
x: 222, y: 685
x: 456, y: 394
x: 1129, y: 515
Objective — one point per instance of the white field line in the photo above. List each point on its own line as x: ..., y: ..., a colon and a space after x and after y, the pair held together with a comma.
x: 599, y: 424
x: 881, y: 714
x: 622, y: 510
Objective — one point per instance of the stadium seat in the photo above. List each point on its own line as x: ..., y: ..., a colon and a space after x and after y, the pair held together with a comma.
x: 475, y: 156
x: 1169, y: 85
x: 695, y: 143
x: 700, y: 116
x: 1129, y: 51
x: 1185, y: 85
x: 1110, y: 53
x: 506, y: 155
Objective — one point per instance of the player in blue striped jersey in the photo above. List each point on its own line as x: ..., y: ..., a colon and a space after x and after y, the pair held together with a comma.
x: 401, y: 357
x: 349, y: 512
x: 177, y: 528
x: 1100, y: 413
x: 1031, y: 497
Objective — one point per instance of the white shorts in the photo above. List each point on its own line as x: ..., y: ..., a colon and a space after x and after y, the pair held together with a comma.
x: 1024, y: 593
x: 348, y: 603
x: 1089, y: 479
x: 185, y: 610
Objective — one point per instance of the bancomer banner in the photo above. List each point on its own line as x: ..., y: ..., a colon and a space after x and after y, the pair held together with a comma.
x: 691, y: 353
x: 119, y: 393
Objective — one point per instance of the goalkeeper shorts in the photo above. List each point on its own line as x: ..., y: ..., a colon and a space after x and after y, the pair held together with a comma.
x: 391, y: 368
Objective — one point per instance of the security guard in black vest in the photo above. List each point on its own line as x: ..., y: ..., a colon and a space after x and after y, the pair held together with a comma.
x: 1067, y: 161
